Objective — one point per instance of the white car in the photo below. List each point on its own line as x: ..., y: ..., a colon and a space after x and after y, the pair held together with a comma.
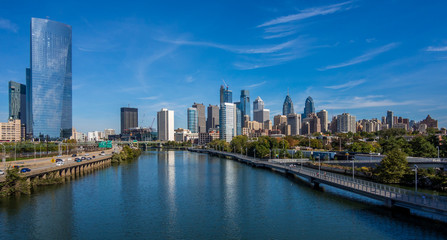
x: 1, y: 172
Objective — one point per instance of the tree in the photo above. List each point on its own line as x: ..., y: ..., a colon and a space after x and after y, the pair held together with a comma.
x: 392, y: 167
x: 238, y: 143
x: 421, y: 147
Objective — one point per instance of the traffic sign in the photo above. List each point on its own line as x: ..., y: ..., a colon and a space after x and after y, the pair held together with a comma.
x: 52, y: 160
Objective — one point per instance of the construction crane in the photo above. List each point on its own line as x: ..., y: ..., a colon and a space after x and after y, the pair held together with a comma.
x: 152, y: 124
x: 226, y: 85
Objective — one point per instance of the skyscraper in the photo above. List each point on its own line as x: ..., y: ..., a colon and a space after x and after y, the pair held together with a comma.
x: 239, y: 118
x: 323, y: 116
x: 192, y: 120
x: 50, y: 85
x: 226, y: 95
x: 129, y: 118
x: 287, y: 107
x: 389, y: 119
x: 165, y: 125
x: 213, y: 117
x: 309, y: 107
x: 17, y: 101
x: 294, y: 120
x: 245, y: 103
x: 227, y: 121
x: 259, y: 113
x: 201, y: 120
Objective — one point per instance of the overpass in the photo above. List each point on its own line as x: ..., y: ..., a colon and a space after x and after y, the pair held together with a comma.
x: 390, y: 196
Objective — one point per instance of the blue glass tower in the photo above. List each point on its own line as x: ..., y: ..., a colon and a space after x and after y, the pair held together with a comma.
x: 192, y: 120
x: 309, y: 107
x: 50, y: 91
x: 226, y: 95
x: 245, y: 103
x: 287, y: 107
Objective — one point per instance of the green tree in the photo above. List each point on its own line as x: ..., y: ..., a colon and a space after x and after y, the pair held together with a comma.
x: 392, y: 167
x: 421, y: 147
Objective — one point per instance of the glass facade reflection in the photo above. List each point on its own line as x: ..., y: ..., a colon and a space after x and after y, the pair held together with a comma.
x: 51, y: 79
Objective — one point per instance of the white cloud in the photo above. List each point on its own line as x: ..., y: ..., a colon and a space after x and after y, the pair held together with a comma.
x: 8, y: 25
x: 189, y: 79
x: 347, y: 85
x: 362, y: 58
x: 256, y: 84
x: 149, y: 98
x: 363, y: 102
x: 436, y: 49
x: 307, y: 13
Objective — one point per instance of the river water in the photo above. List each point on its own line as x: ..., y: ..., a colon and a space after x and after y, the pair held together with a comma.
x: 183, y: 195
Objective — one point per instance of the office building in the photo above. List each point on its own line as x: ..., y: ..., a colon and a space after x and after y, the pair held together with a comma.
x: 346, y: 123
x: 259, y: 113
x: 313, y: 124
x: 213, y: 117
x: 389, y: 119
x: 430, y: 122
x: 294, y: 120
x: 11, y: 131
x: 226, y: 96
x: 309, y: 107
x: 279, y: 119
x: 165, y: 125
x: 245, y: 104
x: 49, y: 84
x: 192, y: 120
x: 323, y: 116
x: 239, y: 119
x: 201, y: 120
x: 287, y: 107
x: 17, y: 102
x: 228, y: 121
x: 129, y: 118
x: 108, y: 132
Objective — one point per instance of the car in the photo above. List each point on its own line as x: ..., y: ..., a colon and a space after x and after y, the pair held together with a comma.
x: 89, y: 158
x: 74, y: 155
x: 2, y: 172
x: 59, y: 160
x: 83, y: 158
x: 102, y: 154
x: 78, y: 160
x: 59, y: 156
x: 93, y: 156
x: 24, y: 170
x: 102, y: 151
x: 59, y: 163
x: 87, y: 154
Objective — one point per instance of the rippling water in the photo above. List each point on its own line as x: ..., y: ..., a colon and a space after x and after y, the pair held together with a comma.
x: 182, y: 195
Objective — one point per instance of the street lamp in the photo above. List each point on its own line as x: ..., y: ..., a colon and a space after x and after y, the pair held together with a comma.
x: 438, y: 151
x: 246, y: 151
x: 254, y: 153
x: 415, y: 177
x: 319, y: 166
x: 4, y: 155
x: 15, y: 151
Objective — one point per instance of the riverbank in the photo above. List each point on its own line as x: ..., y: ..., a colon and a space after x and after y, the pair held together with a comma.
x: 126, y: 154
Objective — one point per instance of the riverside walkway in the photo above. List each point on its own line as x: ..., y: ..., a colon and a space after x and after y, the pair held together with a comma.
x: 391, y: 196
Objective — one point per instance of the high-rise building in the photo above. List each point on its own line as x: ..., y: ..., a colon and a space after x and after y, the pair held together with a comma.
x: 17, y: 101
x: 245, y: 103
x: 129, y: 118
x: 165, y: 125
x: 430, y: 122
x: 309, y: 107
x: 213, y: 117
x: 389, y: 119
x: 50, y: 85
x: 227, y: 121
x: 108, y: 132
x: 279, y: 119
x: 201, y: 119
x: 287, y: 107
x: 346, y: 123
x: 294, y: 120
x: 259, y: 113
x: 192, y: 120
x: 226, y: 96
x: 11, y: 131
x: 323, y: 116
x: 239, y: 118
x: 314, y: 124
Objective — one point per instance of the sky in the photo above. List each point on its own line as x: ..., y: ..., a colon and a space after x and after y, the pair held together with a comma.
x: 363, y: 57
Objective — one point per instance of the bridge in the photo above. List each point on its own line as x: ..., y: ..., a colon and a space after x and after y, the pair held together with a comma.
x: 392, y: 197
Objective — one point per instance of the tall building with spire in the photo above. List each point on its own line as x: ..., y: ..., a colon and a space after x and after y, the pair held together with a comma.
x: 309, y: 107
x: 287, y: 107
x: 226, y: 95
x: 245, y: 103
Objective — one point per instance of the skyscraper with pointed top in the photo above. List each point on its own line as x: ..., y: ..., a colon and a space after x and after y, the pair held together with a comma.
x: 287, y: 107
x: 309, y: 106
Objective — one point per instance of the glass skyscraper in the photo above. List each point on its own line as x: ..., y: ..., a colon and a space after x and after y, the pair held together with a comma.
x: 287, y: 107
x: 50, y: 85
x: 192, y: 120
x: 309, y: 107
x: 17, y: 101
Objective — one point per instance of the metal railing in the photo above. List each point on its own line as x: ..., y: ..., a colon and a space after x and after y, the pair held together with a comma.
x: 372, y: 188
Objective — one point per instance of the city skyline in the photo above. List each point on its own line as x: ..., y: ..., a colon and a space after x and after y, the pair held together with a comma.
x: 359, y: 69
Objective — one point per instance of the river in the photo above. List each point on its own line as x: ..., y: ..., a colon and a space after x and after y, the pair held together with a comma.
x: 184, y: 195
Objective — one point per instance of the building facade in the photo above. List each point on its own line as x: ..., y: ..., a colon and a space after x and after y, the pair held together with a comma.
x: 50, y: 79
x: 201, y: 120
x: 346, y: 123
x: 309, y: 107
x: 228, y: 121
x: 129, y: 118
x: 323, y: 116
x: 192, y: 119
x: 389, y: 119
x: 11, y: 131
x: 165, y: 125
x: 213, y: 117
x: 294, y: 120
x: 245, y: 104
x: 17, y: 102
x: 226, y: 95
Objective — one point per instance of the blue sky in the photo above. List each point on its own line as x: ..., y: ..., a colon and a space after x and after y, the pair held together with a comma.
x: 363, y: 57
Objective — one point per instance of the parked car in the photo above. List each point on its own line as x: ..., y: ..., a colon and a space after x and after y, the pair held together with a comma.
x: 74, y: 155
x: 24, y: 170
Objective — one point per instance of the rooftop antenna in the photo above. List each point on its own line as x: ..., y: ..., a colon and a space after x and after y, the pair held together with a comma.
x: 287, y: 91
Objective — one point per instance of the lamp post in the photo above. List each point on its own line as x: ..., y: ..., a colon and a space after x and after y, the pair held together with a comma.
x: 15, y: 151
x: 254, y: 153
x: 4, y: 155
x: 353, y: 167
x: 319, y: 166
x: 34, y: 150
x: 246, y: 151
x: 270, y: 153
x: 415, y: 177
x: 438, y: 151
